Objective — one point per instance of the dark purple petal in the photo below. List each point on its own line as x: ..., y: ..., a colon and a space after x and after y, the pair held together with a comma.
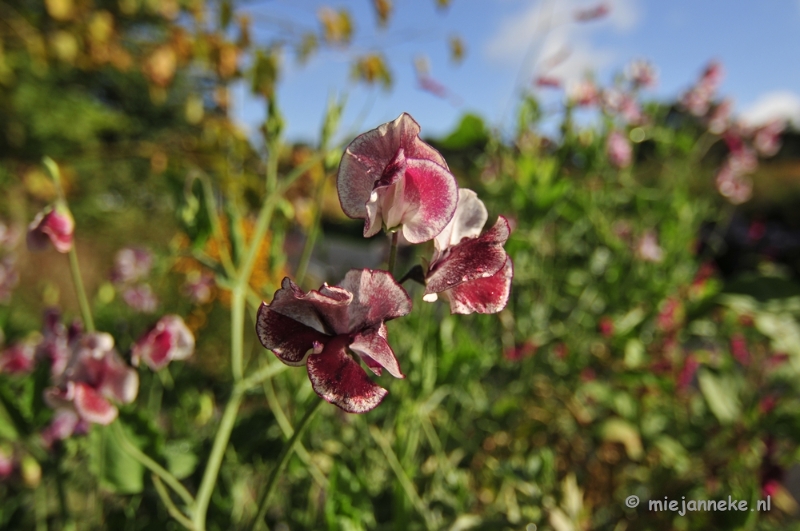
x: 366, y: 158
x: 373, y: 348
x: 376, y: 297
x: 339, y: 379
x: 288, y: 338
x: 482, y: 295
x: 470, y: 260
x: 93, y: 406
x: 325, y: 310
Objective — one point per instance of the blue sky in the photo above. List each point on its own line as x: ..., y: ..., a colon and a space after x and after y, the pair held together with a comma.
x: 758, y: 44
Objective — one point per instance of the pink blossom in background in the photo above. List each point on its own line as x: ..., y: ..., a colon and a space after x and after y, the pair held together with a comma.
x: 767, y: 138
x: 648, y: 248
x: 642, y: 74
x: 606, y: 326
x: 698, y: 98
x: 330, y: 329
x: 593, y: 13
x: 131, y: 264
x: 94, y: 376
x: 54, y: 348
x: 141, y: 298
x: 733, y: 185
x: 547, y: 82
x: 720, y: 117
x: 18, y: 358
x: 518, y: 352
x: 689, y: 369
x: 739, y: 349
x: 470, y: 270
x: 170, y: 339
x: 583, y: 93
x: 619, y: 150
x: 389, y: 177
x: 65, y: 424
x: 54, y: 225
x: 199, y: 287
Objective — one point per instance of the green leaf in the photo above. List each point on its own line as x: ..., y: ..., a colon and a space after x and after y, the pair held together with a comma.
x: 181, y: 460
x: 721, y: 395
x: 113, y: 466
x: 621, y: 431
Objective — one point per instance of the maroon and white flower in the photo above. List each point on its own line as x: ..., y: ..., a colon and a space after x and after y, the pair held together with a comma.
x: 592, y: 13
x: 93, y: 377
x: 323, y: 329
x: 720, y: 118
x: 583, y: 93
x: 389, y: 177
x: 54, y: 224
x: 131, y: 264
x: 698, y: 98
x: 470, y: 270
x: 170, y: 339
x: 619, y: 150
x: 64, y: 425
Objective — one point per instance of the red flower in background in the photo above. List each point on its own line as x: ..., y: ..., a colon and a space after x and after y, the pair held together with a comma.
x: 170, y: 339
x: 471, y: 270
x: 390, y: 177
x: 320, y: 329
x: 53, y: 224
x: 619, y: 150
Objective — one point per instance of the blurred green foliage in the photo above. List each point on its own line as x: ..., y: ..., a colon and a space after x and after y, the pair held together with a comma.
x: 617, y: 369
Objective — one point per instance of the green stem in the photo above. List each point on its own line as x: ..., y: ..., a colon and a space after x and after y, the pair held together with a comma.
x: 263, y: 502
x: 313, y: 232
x: 214, y: 462
x: 77, y: 281
x: 171, y: 508
x: 393, y: 252
x: 151, y: 465
x: 41, y: 508
x: 238, y: 306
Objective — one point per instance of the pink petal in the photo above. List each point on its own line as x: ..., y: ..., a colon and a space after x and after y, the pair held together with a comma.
x: 376, y: 352
x: 467, y: 222
x: 288, y: 338
x: 366, y: 158
x: 470, y: 260
x: 62, y: 426
x: 118, y: 381
x: 430, y: 194
x: 339, y: 379
x: 376, y: 297
x: 55, y: 224
x: 325, y: 310
x: 93, y: 406
x: 482, y: 295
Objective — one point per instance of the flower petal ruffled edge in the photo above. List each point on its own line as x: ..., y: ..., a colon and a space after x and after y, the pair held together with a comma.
x: 376, y: 352
x: 340, y: 380
x: 290, y: 340
x: 368, y: 154
x: 482, y: 295
x: 93, y: 406
x: 376, y: 298
x: 430, y: 194
x: 467, y: 222
x: 325, y: 310
x: 472, y: 259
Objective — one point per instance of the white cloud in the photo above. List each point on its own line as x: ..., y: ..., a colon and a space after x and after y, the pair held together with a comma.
x: 781, y: 104
x: 547, y: 29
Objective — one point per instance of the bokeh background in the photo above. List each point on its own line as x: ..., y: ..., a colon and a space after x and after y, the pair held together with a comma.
x: 650, y: 346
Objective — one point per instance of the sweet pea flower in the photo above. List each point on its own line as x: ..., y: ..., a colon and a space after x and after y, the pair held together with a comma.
x: 131, y: 264
x: 471, y: 270
x: 619, y: 150
x: 390, y: 177
x: 18, y: 358
x: 648, y: 248
x: 170, y: 339
x: 583, y: 93
x: 94, y: 375
x: 767, y: 138
x: 54, y: 224
x: 324, y: 329
x: 642, y: 74
x: 65, y: 424
x: 141, y: 298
